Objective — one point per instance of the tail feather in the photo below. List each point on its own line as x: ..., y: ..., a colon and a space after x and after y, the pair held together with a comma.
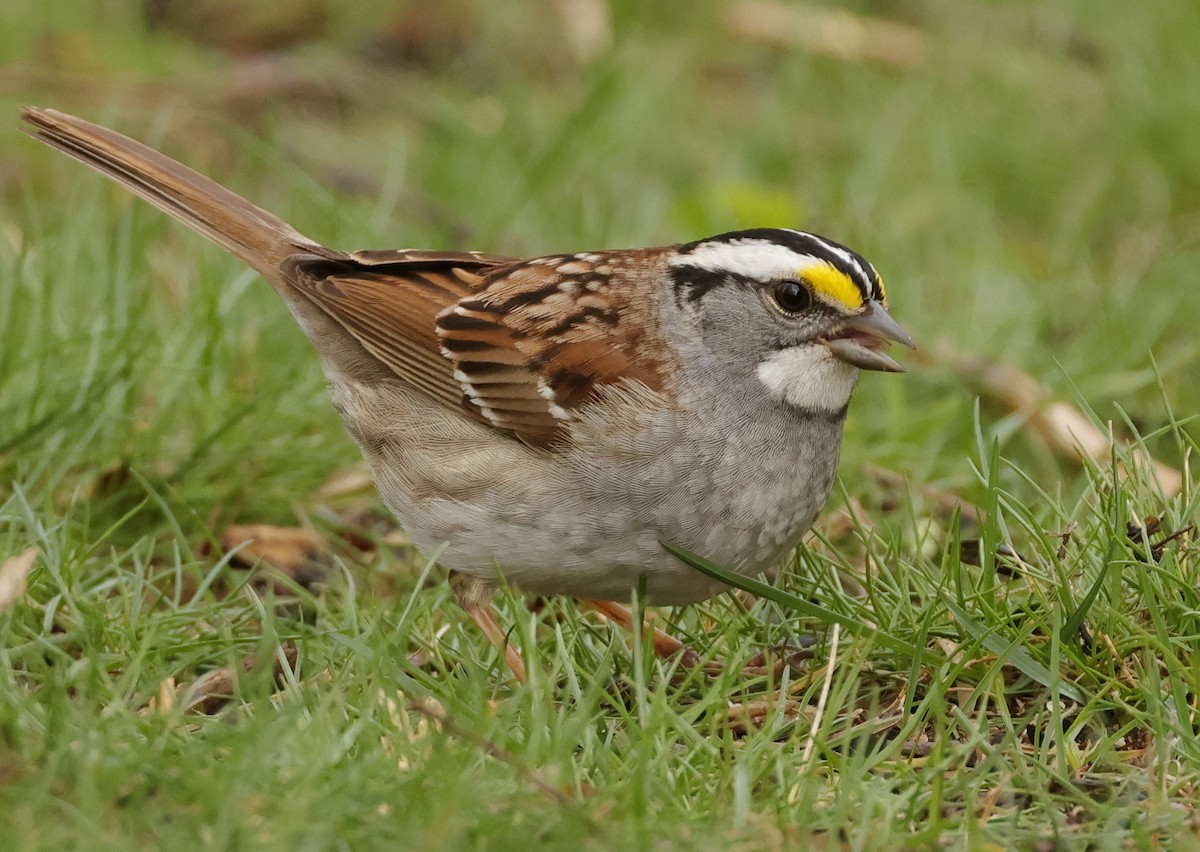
x: 260, y: 239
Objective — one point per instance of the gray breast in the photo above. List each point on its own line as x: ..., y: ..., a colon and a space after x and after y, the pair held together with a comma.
x: 738, y: 481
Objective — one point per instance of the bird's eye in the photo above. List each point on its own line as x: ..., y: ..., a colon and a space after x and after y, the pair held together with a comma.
x: 792, y: 297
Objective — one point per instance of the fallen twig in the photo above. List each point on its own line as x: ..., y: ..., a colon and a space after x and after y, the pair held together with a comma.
x: 836, y: 33
x: 1062, y: 426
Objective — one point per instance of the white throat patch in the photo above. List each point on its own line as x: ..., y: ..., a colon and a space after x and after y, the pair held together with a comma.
x: 808, y: 376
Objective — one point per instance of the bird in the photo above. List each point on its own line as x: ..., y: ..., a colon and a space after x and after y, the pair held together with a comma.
x: 549, y: 422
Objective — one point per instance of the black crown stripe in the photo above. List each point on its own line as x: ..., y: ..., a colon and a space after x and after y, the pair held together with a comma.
x: 858, y: 270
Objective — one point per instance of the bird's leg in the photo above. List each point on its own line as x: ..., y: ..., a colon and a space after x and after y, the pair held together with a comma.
x: 474, y: 597
x: 665, y: 645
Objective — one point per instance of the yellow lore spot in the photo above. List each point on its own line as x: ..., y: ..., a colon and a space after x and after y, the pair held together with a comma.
x: 832, y: 286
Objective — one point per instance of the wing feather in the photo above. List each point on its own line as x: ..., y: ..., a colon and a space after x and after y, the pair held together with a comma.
x: 521, y: 345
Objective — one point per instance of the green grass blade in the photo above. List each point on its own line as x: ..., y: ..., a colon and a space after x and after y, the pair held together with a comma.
x: 1012, y: 653
x: 796, y: 603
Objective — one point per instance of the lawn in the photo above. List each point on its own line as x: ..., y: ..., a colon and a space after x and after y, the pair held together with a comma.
x: 990, y: 640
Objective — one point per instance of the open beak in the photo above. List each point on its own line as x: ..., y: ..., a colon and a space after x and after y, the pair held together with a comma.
x: 860, y: 340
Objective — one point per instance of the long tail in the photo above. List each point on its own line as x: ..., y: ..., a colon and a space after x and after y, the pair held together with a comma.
x: 260, y: 239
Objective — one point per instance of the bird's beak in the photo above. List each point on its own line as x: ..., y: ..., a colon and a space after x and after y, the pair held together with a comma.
x: 860, y: 340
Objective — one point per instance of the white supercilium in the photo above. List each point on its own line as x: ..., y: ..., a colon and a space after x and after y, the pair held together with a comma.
x: 752, y: 258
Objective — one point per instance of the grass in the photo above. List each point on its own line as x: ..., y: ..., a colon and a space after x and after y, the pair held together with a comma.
x: 1027, y: 185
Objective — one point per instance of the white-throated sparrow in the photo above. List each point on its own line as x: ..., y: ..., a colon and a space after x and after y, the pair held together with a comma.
x: 556, y: 418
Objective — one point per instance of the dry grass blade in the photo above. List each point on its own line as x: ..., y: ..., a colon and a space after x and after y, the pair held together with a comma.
x: 1062, y: 426
x: 284, y: 548
x: 836, y: 33
x: 298, y: 553
x: 742, y: 717
x: 211, y: 691
x: 823, y: 700
x: 13, y: 574
x: 587, y: 27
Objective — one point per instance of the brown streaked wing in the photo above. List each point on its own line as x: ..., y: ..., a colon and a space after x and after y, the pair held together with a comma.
x: 468, y: 260
x: 388, y: 300
x: 543, y: 336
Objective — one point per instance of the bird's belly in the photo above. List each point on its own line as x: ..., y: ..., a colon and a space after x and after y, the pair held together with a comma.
x: 590, y: 523
x: 602, y: 550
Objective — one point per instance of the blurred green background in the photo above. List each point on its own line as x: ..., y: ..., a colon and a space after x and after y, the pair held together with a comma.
x: 1025, y: 175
